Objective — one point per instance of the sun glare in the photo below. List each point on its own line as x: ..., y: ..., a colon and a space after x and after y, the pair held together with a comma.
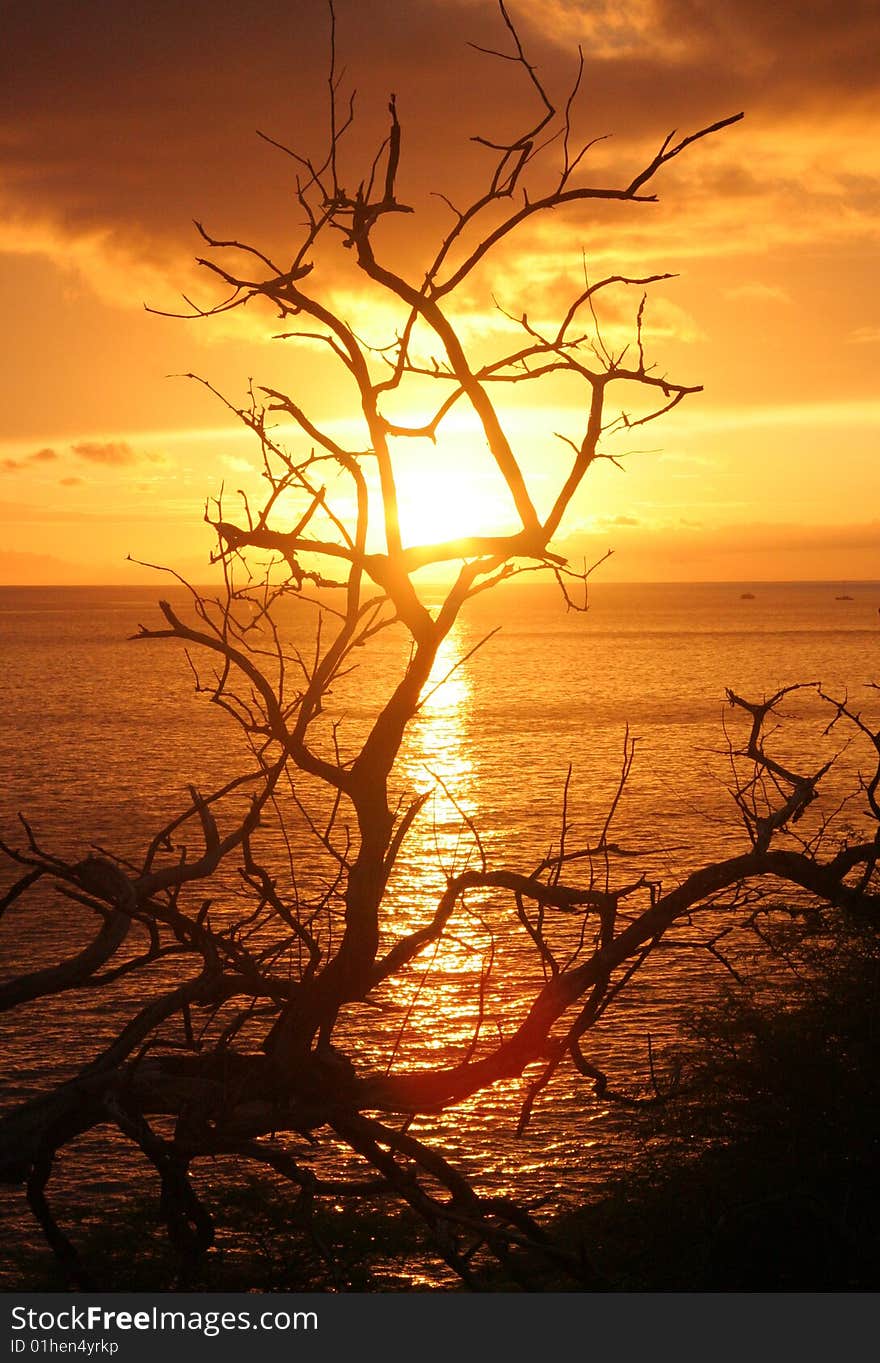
x: 433, y: 510
x: 451, y: 490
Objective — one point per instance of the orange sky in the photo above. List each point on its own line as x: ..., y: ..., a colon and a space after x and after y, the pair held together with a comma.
x: 120, y: 123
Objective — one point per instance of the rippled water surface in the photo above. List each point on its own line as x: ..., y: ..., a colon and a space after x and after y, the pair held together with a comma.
x: 100, y: 736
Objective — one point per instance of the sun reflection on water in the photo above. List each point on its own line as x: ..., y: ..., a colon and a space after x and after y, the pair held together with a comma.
x: 438, y: 759
x: 437, y: 1007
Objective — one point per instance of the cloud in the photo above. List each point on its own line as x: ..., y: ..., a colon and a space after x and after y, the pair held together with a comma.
x: 805, y: 47
x: 113, y: 453
x: 71, y: 482
x: 43, y: 456
x: 105, y: 453
x: 119, y: 127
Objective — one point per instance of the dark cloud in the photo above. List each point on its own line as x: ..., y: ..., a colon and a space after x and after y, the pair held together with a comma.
x: 109, y: 453
x: 43, y: 456
x: 139, y: 116
x: 134, y: 117
x: 114, y: 453
x: 815, y: 52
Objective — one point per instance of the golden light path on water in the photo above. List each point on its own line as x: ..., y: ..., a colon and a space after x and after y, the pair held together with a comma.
x: 469, y: 990
x: 437, y: 761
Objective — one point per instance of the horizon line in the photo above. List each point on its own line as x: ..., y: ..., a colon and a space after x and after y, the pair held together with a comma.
x: 629, y: 582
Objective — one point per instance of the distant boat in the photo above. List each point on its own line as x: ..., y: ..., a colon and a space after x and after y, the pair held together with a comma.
x: 843, y: 598
x: 747, y: 596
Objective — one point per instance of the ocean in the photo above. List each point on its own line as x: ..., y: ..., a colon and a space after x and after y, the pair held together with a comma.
x: 101, y: 735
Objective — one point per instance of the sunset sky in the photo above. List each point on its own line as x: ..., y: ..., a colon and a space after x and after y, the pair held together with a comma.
x: 121, y: 122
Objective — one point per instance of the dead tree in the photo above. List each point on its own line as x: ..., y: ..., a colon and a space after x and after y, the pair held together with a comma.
x: 250, y: 1050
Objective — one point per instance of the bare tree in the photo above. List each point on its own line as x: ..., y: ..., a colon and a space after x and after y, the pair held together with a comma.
x: 250, y: 1049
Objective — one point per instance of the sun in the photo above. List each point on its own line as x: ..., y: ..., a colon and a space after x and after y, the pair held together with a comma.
x: 450, y: 490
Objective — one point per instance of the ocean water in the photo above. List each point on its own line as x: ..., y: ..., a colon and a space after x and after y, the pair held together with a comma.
x: 100, y: 736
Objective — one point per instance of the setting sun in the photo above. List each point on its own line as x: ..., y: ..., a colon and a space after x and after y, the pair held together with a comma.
x: 449, y: 490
